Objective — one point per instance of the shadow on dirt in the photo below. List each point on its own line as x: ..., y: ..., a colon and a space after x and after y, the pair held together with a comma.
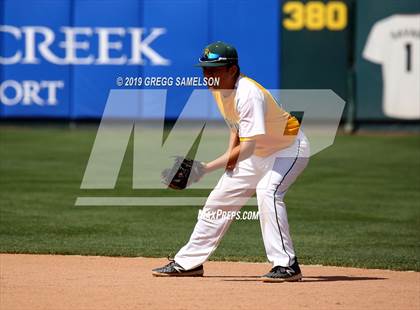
x: 305, y: 279
x: 340, y: 278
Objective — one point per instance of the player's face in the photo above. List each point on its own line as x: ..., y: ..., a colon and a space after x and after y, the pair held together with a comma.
x: 225, y: 75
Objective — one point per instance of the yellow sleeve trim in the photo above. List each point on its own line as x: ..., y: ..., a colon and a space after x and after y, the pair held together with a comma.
x: 292, y: 126
x: 246, y: 139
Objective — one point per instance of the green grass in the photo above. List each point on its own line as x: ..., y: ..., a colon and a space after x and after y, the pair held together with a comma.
x: 357, y: 204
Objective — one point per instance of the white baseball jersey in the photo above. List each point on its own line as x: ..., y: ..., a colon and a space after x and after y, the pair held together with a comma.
x: 394, y: 42
x: 255, y: 114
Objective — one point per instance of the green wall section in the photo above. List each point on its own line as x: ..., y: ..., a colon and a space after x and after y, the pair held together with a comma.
x: 316, y: 59
x: 327, y: 59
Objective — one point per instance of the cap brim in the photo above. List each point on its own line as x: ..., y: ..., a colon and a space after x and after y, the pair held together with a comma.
x: 211, y: 64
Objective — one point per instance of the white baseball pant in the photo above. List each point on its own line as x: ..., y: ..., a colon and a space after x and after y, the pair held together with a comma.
x: 270, y: 177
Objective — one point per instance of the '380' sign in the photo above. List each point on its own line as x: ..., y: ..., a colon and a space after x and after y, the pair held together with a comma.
x: 315, y: 15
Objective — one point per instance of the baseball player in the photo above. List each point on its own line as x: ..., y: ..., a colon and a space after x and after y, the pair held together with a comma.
x: 266, y: 153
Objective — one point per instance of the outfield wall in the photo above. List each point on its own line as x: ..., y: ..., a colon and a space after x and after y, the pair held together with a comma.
x: 61, y: 58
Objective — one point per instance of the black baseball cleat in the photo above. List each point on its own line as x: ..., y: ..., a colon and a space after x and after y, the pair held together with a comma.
x: 283, y: 274
x: 174, y: 270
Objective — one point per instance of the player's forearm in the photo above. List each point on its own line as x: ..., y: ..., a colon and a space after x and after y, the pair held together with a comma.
x: 222, y: 161
x: 229, y: 159
x: 218, y: 163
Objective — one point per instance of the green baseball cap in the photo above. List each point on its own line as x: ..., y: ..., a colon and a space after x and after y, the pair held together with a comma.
x: 218, y: 54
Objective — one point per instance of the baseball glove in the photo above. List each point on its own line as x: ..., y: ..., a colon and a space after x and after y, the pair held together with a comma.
x: 183, y: 173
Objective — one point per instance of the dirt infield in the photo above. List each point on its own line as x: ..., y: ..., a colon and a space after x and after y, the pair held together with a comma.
x: 86, y: 282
